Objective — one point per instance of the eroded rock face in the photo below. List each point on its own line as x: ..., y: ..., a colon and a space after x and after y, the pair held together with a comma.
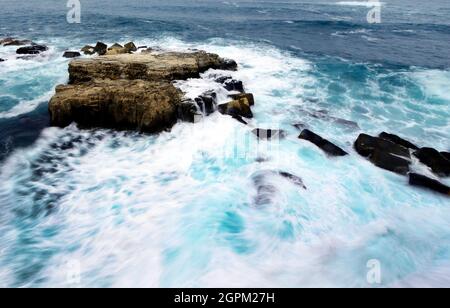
x: 133, y: 91
x: 147, y: 66
x: 120, y: 104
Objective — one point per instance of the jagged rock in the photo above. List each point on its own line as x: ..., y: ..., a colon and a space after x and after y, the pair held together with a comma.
x: 248, y: 96
x: 234, y: 85
x: 101, y: 48
x: 269, y: 134
x: 293, y: 178
x: 323, y: 144
x: 152, y: 67
x: 435, y: 160
x: 390, y: 162
x: 425, y: 182
x: 207, y: 102
x: 366, y: 145
x: 240, y: 107
x: 398, y: 140
x: 116, y: 49
x: 71, y: 54
x: 31, y: 50
x: 121, y: 104
x: 188, y: 112
x: 88, y: 50
x: 130, y: 47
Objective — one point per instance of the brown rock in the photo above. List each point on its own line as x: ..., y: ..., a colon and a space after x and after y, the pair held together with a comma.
x: 240, y: 107
x: 120, y: 104
x: 88, y: 50
x: 152, y: 67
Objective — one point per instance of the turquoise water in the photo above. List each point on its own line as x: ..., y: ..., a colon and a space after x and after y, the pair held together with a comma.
x: 182, y: 209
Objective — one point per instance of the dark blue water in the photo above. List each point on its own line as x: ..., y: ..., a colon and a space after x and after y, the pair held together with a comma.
x: 128, y: 210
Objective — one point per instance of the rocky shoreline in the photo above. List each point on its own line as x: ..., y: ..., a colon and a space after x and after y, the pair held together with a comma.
x: 132, y: 88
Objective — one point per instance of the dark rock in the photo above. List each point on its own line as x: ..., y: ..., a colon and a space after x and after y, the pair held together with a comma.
x: 222, y: 79
x: 207, y: 102
x: 425, y: 182
x: 398, y: 140
x: 101, y: 48
x: 325, y: 145
x: 293, y: 178
x: 234, y: 85
x: 228, y: 65
x: 187, y: 111
x: 88, y: 50
x: 435, y: 160
x: 446, y: 155
x: 31, y: 50
x: 390, y: 162
x: 6, y: 40
x: 240, y: 107
x: 142, y: 47
x: 269, y: 134
x: 130, y: 47
x: 239, y: 118
x: 71, y: 54
x: 366, y: 145
x: 2, y: 60
x: 248, y: 96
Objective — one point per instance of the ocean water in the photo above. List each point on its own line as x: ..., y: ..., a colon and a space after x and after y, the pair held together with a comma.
x: 203, y: 205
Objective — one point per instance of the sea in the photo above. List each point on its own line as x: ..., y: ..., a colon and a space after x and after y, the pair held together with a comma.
x: 204, y: 205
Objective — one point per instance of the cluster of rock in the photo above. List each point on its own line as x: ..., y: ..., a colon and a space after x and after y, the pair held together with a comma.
x: 28, y: 47
x: 393, y: 153
x: 136, y: 91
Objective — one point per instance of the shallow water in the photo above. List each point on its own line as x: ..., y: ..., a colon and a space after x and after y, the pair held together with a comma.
x: 203, y: 205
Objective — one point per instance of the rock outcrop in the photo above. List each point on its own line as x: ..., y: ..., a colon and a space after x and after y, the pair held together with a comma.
x: 384, y: 153
x: 328, y: 147
x: 119, y: 104
x: 152, y: 67
x: 71, y: 54
x: 425, y: 182
x: 239, y: 107
x: 398, y: 140
x: 31, y: 50
x: 10, y: 41
x: 435, y: 160
x: 133, y: 91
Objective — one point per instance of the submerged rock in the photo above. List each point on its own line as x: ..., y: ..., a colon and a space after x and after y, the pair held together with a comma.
x: 323, y: 144
x: 152, y: 67
x: 398, y: 140
x: 239, y: 107
x: 15, y: 42
x: 71, y: 54
x: 425, y: 182
x: 31, y: 50
x: 293, y: 178
x: 435, y: 160
x: 121, y: 104
x: 269, y: 134
x: 366, y: 145
x: 2, y: 60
